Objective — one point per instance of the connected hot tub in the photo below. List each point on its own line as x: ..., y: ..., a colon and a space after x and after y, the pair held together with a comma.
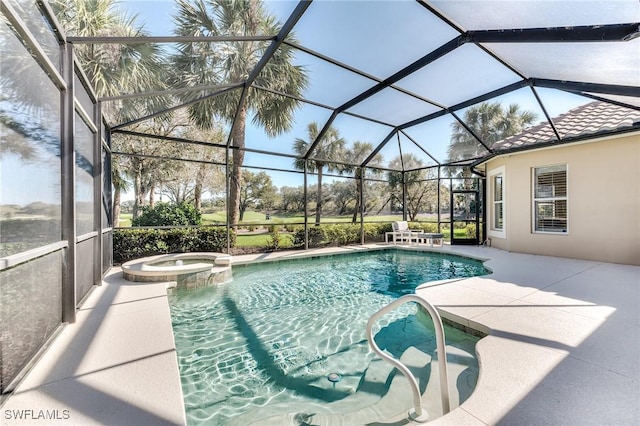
x: 189, y: 270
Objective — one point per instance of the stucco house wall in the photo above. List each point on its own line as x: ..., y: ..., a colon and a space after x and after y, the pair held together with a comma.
x: 603, y: 206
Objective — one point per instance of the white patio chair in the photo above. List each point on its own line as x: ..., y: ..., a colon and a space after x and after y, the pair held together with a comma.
x: 402, y: 233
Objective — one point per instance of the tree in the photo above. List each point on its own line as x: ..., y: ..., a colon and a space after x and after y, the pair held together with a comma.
x: 257, y: 191
x: 147, y: 170
x: 375, y: 196
x: 120, y: 183
x: 342, y: 195
x: 358, y: 152
x: 491, y: 123
x: 419, y: 193
x: 232, y: 62
x: 203, y: 176
x: 329, y: 149
x: 292, y: 198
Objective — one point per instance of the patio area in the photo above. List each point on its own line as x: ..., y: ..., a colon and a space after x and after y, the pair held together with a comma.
x: 562, y: 347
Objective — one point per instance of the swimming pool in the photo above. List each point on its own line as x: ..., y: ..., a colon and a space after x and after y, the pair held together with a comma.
x: 265, y: 343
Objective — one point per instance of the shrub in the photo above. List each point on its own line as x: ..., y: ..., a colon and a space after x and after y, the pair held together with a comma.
x: 274, y: 240
x: 166, y: 214
x: 215, y: 239
x: 131, y: 244
x: 375, y: 231
x: 298, y: 238
x: 342, y: 234
x: 293, y: 228
x: 316, y: 236
x: 429, y: 227
x: 415, y: 225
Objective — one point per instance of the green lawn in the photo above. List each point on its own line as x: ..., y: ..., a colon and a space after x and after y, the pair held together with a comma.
x: 261, y: 240
x: 252, y: 218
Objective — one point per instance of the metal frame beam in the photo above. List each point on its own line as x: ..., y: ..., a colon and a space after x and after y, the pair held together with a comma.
x: 318, y: 104
x: 584, y: 33
x: 609, y: 101
x: 98, y: 170
x: 295, y: 16
x: 470, y: 131
x: 170, y: 91
x: 419, y: 146
x: 546, y: 114
x: 378, y: 148
x: 165, y: 39
x: 360, y: 73
x: 409, y: 69
x: 165, y: 157
x: 577, y: 86
x: 494, y: 93
x: 34, y: 47
x: 68, y: 168
x: 164, y: 111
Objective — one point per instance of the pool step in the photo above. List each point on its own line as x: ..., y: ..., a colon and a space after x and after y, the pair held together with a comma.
x: 383, y: 393
x: 374, y: 383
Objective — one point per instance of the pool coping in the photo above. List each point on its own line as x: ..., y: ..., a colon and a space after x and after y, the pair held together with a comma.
x: 557, y: 350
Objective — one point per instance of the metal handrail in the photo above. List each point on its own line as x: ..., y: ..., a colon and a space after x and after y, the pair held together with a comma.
x: 418, y: 413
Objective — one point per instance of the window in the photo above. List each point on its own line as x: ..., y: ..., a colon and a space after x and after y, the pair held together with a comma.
x: 550, y: 199
x: 497, y: 194
x: 498, y: 208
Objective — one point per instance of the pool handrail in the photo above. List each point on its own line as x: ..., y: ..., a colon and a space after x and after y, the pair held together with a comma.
x: 418, y: 413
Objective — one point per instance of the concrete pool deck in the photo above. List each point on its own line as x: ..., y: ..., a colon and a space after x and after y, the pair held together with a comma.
x: 563, y: 348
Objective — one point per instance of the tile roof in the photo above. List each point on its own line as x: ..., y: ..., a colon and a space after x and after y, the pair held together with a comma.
x: 590, y: 119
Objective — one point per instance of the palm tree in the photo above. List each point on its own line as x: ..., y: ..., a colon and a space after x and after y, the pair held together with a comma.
x: 209, y: 63
x: 329, y: 149
x: 115, y: 69
x: 491, y: 123
x: 515, y: 121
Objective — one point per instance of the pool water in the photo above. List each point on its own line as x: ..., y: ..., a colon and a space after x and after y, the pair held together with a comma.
x: 266, y: 342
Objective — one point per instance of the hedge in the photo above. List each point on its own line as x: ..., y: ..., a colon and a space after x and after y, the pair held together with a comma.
x: 341, y: 234
x: 168, y: 214
x: 129, y: 244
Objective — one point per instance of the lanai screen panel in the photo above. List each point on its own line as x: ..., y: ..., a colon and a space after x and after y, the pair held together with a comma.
x: 608, y: 63
x: 411, y: 65
x: 495, y: 14
x: 464, y: 73
x: 378, y: 38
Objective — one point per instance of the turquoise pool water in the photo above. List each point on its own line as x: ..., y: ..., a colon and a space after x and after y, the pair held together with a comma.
x: 266, y: 342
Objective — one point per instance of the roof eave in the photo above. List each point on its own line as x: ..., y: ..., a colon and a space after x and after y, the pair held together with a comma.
x: 594, y: 137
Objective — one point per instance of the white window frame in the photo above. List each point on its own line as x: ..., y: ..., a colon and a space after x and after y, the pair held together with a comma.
x: 535, y: 200
x: 493, y: 231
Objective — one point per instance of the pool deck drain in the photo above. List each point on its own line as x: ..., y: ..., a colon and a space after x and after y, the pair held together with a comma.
x: 562, y: 347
